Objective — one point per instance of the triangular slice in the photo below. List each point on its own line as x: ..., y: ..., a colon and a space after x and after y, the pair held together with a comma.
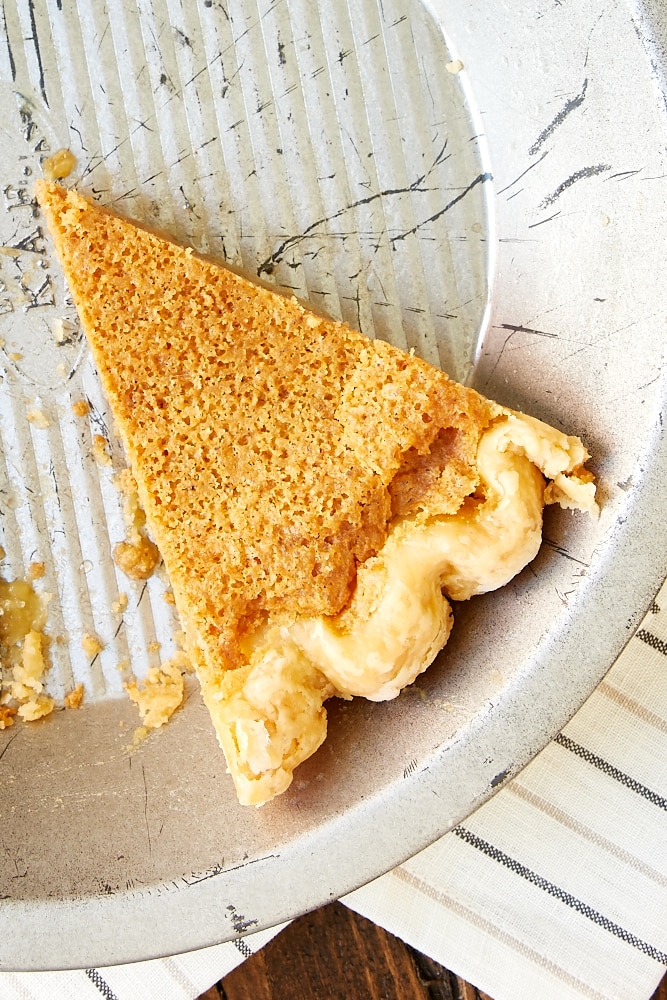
x: 312, y: 492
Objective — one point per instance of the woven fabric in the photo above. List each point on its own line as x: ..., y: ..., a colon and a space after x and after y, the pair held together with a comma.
x: 182, y: 977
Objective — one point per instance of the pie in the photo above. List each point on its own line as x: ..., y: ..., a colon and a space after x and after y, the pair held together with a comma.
x: 316, y: 496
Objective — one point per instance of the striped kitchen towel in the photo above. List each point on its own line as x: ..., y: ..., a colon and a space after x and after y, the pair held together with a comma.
x: 556, y: 888
x: 183, y: 977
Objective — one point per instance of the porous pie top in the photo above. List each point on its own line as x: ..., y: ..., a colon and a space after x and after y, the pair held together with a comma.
x: 271, y: 447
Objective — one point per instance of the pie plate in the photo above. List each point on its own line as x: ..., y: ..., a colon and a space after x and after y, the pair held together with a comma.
x: 484, y: 184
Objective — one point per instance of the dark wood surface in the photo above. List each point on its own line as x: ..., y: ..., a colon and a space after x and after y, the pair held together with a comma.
x: 334, y: 954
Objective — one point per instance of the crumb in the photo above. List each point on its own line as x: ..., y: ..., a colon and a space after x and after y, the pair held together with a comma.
x: 154, y: 646
x: 137, y: 556
x: 81, y: 408
x: 454, y: 67
x: 74, y: 697
x: 120, y: 605
x: 7, y: 714
x: 23, y: 645
x: 16, y: 356
x: 137, y: 561
x: 20, y: 692
x: 100, y: 452
x: 36, y: 571
x: 59, y: 165
x: 38, y: 419
x: 27, y: 687
x: 36, y: 708
x: 162, y: 693
x: 29, y: 672
x: 91, y: 645
x: 168, y: 597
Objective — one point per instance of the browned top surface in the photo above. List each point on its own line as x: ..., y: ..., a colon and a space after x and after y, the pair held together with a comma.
x: 264, y: 439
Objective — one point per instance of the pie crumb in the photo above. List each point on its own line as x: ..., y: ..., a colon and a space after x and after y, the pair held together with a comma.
x: 36, y: 571
x: 162, y: 693
x: 7, y: 714
x: 36, y: 708
x: 81, y: 408
x: 91, y: 645
x: 74, y: 697
x: 120, y: 605
x: 136, y: 556
x: 137, y: 561
x: 59, y: 165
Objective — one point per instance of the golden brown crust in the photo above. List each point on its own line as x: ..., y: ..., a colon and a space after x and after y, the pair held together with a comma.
x: 264, y: 439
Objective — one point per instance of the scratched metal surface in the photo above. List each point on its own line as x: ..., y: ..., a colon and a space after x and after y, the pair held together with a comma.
x: 506, y: 220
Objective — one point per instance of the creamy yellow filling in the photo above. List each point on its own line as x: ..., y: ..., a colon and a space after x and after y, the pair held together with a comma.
x: 269, y: 715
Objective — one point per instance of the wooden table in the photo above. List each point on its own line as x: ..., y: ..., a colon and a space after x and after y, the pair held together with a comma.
x: 333, y: 954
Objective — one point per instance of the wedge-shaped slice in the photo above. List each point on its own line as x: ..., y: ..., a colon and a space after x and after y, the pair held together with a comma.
x: 312, y: 492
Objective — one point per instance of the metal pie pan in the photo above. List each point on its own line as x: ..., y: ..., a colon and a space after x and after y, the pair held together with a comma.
x: 484, y: 187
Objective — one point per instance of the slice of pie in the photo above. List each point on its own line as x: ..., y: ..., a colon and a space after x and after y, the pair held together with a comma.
x: 313, y: 493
